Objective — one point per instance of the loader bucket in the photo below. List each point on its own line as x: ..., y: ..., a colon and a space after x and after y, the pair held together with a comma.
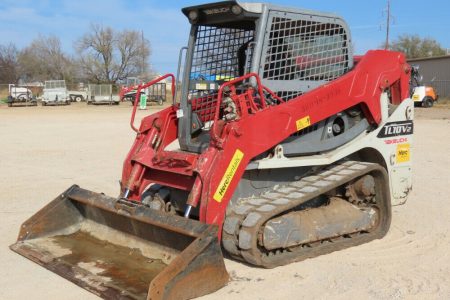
x: 118, y: 250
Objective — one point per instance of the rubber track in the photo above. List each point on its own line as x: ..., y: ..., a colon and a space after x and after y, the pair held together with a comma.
x: 245, y: 219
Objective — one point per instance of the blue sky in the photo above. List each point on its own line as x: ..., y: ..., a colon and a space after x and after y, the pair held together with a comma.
x: 167, y: 29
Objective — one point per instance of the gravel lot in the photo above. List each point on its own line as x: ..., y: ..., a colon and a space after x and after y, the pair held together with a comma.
x: 44, y: 150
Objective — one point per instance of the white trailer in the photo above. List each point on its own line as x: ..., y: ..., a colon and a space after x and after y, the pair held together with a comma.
x: 20, y: 95
x: 55, y: 93
x: 101, y: 94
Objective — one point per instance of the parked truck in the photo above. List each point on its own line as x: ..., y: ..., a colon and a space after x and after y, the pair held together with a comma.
x: 78, y: 95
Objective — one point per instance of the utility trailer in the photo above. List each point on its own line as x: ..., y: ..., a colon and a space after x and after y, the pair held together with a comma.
x: 55, y: 93
x: 20, y: 95
x: 128, y: 90
x: 155, y: 94
x: 283, y: 147
x: 101, y: 94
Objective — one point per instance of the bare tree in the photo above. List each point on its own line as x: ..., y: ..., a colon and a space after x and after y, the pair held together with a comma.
x: 415, y: 47
x: 106, y: 55
x: 8, y: 64
x: 44, y: 59
x: 96, y: 52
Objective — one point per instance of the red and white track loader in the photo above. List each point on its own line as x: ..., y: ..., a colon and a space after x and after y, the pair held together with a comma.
x: 284, y: 146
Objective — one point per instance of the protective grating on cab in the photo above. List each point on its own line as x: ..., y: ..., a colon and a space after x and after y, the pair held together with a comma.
x: 220, y: 54
x: 306, y: 51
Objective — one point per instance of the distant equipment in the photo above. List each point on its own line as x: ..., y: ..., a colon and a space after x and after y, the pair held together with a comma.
x: 81, y: 94
x: 20, y: 95
x: 422, y: 95
x: 101, y: 94
x: 55, y: 93
x: 155, y: 93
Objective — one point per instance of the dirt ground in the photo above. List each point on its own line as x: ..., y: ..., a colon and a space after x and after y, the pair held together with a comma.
x: 44, y: 150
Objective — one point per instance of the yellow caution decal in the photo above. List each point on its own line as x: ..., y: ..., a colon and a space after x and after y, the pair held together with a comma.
x: 403, y: 153
x: 201, y: 86
x: 303, y: 123
x: 228, y: 176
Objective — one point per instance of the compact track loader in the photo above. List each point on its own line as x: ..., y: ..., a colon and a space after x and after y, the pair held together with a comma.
x: 284, y: 146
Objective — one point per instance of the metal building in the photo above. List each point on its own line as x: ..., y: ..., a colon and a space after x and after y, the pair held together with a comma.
x: 435, y: 72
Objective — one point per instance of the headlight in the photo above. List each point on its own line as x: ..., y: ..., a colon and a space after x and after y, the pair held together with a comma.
x: 236, y: 9
x: 193, y: 15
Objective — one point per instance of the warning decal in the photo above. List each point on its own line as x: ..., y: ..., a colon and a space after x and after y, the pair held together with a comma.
x: 228, y: 176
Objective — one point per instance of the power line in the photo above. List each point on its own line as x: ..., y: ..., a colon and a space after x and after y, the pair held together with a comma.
x: 386, y: 46
x: 389, y: 19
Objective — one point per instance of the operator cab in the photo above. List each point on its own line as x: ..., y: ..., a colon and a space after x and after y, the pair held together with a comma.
x: 292, y: 51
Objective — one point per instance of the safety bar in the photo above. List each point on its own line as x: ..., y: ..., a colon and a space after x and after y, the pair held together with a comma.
x: 260, y: 88
x: 180, y: 58
x: 143, y: 86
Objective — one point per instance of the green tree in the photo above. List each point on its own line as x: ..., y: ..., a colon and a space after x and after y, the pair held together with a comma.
x: 415, y: 46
